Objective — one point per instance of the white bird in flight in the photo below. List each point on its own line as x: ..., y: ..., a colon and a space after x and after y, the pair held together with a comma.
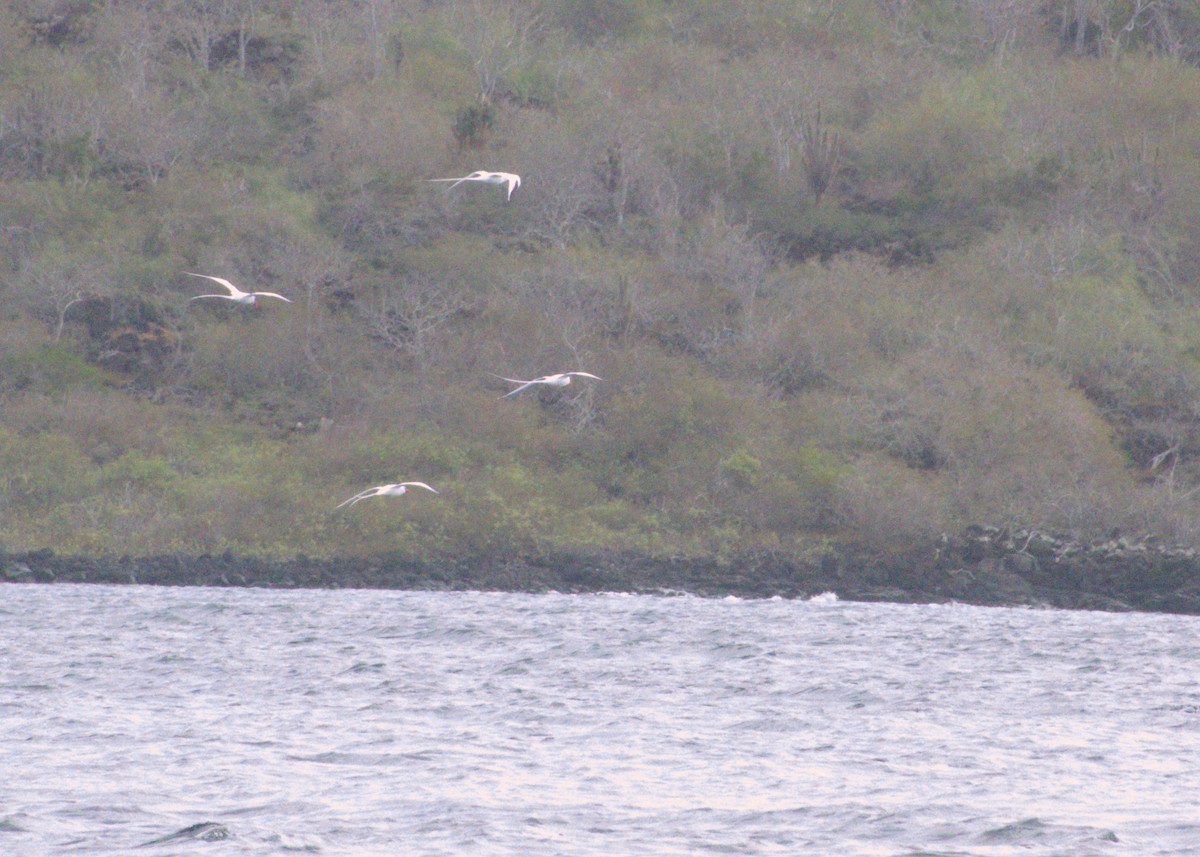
x: 393, y: 490
x: 560, y: 380
x: 511, y: 179
x: 235, y: 294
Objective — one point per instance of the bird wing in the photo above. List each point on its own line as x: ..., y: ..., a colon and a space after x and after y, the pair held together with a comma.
x: 457, y: 182
x: 586, y: 375
x: 222, y: 297
x: 271, y: 295
x: 422, y: 485
x: 361, y: 495
x: 523, y: 386
x: 514, y: 182
x: 233, y: 290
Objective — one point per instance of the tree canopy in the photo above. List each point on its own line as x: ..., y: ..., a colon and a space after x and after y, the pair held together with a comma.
x: 864, y: 270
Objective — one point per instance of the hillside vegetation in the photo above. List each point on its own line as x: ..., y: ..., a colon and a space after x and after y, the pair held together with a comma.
x: 860, y: 271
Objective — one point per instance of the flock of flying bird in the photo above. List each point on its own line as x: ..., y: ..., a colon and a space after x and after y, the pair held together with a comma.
x: 561, y: 379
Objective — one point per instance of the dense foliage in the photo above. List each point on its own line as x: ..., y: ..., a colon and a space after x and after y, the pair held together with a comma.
x: 853, y: 270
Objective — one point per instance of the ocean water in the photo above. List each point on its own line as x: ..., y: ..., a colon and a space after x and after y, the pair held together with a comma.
x: 255, y: 722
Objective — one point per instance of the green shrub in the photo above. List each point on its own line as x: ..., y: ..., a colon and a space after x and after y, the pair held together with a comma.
x: 951, y: 137
x: 434, y: 62
x: 884, y: 505
x: 418, y: 454
x: 741, y: 467
x: 473, y: 125
x: 831, y: 229
x: 48, y: 368
x: 136, y: 470
x: 1115, y: 344
x: 44, y: 469
x: 537, y: 85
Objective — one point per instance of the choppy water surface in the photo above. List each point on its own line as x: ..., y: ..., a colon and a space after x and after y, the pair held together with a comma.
x: 460, y: 723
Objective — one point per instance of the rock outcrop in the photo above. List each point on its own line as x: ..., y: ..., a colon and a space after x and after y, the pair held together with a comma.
x: 983, y: 565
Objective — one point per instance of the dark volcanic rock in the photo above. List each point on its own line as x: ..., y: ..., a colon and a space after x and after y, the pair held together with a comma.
x: 984, y: 565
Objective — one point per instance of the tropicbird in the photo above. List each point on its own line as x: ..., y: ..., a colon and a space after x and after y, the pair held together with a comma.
x: 511, y: 179
x: 560, y: 380
x: 393, y: 490
x: 235, y: 294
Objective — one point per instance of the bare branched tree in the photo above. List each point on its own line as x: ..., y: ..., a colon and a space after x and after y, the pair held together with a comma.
x: 496, y: 38
x: 1175, y: 30
x: 52, y: 286
x: 1111, y: 26
x: 408, y: 316
x: 318, y: 270
x: 196, y: 25
x: 777, y: 90
x: 728, y: 253
x: 1120, y: 22
x: 625, y: 135
x: 999, y: 25
x: 563, y: 196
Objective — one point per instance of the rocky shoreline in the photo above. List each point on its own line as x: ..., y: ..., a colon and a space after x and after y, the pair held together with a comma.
x: 983, y: 565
